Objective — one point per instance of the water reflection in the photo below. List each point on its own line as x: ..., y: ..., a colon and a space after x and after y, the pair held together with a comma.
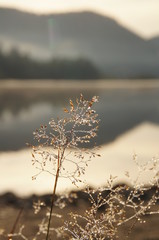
x: 26, y: 106
x: 116, y: 158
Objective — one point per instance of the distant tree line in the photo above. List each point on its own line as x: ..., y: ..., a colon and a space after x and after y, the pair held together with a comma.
x: 20, y: 66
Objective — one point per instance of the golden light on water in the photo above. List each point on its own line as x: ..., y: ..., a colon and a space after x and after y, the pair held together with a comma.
x: 116, y: 159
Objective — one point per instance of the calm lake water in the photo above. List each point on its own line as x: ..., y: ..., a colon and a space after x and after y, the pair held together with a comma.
x: 129, y: 113
x: 25, y: 105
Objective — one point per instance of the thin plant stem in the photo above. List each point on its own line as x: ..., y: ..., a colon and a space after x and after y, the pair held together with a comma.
x: 53, y: 195
x: 15, y: 223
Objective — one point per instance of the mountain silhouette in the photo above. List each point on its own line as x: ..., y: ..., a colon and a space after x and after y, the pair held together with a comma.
x: 115, y: 50
x: 155, y: 42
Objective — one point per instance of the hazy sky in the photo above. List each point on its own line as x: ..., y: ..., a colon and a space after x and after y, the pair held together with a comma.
x: 141, y: 16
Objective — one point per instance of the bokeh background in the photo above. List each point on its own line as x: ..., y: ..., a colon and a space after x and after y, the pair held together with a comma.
x: 51, y: 51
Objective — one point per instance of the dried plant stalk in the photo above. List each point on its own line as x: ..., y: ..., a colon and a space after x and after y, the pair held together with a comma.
x: 69, y: 133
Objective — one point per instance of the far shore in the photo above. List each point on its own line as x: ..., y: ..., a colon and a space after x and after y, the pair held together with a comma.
x: 11, y: 84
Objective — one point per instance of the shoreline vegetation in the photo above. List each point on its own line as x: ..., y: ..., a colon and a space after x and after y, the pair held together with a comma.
x: 15, y: 65
x: 21, y: 66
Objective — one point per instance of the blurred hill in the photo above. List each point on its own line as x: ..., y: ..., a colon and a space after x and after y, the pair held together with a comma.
x: 116, y: 51
x: 155, y: 42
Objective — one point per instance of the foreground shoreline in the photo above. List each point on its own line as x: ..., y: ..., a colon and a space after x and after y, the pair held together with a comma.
x: 13, y: 200
x: 12, y: 205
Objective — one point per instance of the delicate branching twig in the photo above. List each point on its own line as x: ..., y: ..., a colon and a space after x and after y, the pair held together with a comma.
x: 69, y: 133
x: 120, y: 205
